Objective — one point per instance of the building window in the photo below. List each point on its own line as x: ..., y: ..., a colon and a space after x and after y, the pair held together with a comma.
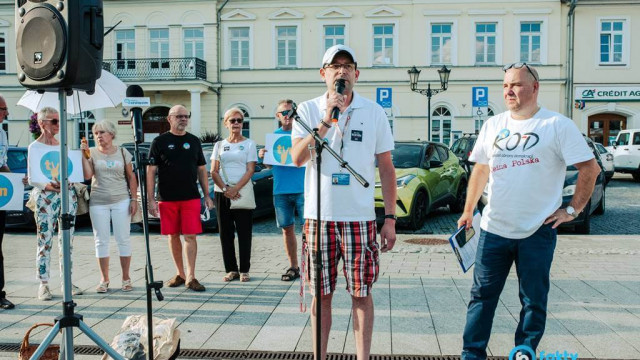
x: 239, y: 42
x: 383, y: 44
x: 194, y: 43
x: 85, y: 120
x: 479, y: 121
x: 441, y: 43
x: 159, y: 48
x: 333, y: 35
x: 3, y: 53
x: 125, y: 49
x: 530, y: 35
x: 611, y: 41
x: 287, y: 46
x: 486, y: 43
x: 441, y: 125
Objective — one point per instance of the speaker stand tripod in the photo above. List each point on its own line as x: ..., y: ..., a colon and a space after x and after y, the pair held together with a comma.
x: 69, y: 319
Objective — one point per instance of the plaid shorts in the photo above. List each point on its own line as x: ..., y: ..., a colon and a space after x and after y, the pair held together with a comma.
x: 354, y: 242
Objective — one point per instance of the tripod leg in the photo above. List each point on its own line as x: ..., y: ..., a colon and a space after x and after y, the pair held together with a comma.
x: 98, y: 340
x: 46, y: 342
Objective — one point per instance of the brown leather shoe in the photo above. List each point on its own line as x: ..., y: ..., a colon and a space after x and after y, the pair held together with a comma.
x: 195, y: 285
x: 175, y: 281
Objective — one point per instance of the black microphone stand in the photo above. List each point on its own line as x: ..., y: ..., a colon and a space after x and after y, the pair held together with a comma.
x: 321, y: 144
x: 142, y: 162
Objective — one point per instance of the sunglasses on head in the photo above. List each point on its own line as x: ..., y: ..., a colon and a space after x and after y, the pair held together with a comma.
x: 52, y: 121
x: 285, y: 113
x: 236, y: 121
x: 519, y: 65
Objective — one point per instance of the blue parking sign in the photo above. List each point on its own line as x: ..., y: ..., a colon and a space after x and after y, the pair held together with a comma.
x: 383, y: 97
x: 480, y: 96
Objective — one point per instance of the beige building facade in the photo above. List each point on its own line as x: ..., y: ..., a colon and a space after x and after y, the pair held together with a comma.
x: 213, y: 55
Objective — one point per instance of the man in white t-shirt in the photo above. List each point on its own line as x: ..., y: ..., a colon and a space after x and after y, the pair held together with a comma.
x: 523, y: 154
x: 361, y: 135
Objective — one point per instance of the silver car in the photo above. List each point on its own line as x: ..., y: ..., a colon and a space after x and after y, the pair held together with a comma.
x: 607, y: 161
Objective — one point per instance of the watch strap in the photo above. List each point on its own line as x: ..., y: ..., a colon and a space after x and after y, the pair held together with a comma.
x: 391, y: 216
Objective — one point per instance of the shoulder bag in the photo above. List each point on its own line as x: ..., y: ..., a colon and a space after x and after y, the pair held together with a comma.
x: 137, y: 216
x: 247, y: 199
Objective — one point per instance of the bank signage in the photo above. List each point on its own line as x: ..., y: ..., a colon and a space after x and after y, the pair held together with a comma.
x: 607, y: 93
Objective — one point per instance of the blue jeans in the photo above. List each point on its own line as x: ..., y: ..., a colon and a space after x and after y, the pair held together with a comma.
x: 533, y: 256
x: 286, y: 206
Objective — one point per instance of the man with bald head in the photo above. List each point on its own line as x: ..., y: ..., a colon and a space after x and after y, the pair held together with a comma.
x: 179, y: 163
x: 523, y: 153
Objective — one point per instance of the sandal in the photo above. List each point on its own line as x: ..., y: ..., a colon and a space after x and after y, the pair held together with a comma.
x: 103, y: 287
x: 233, y: 275
x: 127, y: 285
x: 244, y: 277
x: 291, y: 274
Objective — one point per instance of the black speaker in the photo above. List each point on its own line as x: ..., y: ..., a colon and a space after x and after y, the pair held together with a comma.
x: 59, y: 43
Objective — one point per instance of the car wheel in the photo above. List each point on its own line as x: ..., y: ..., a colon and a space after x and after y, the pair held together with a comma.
x: 600, y: 209
x: 418, y: 210
x: 457, y: 205
x: 585, y: 226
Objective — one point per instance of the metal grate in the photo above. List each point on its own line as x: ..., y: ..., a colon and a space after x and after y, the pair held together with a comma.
x: 260, y: 355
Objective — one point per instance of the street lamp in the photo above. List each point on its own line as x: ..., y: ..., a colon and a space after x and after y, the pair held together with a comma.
x: 444, y: 81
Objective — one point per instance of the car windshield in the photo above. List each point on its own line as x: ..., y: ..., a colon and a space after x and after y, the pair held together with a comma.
x: 406, y: 156
x: 601, y: 148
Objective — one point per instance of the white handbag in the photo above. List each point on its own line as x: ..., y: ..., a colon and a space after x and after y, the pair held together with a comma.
x: 247, y: 200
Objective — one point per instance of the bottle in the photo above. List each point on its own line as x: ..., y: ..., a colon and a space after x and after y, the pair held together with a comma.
x: 85, y: 152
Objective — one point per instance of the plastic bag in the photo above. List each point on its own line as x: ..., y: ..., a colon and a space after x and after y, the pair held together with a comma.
x: 131, y: 341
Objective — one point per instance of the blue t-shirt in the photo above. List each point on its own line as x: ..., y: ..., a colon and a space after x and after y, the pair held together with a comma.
x: 287, y: 179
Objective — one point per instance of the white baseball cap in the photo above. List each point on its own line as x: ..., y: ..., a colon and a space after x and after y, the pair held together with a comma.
x: 334, y: 50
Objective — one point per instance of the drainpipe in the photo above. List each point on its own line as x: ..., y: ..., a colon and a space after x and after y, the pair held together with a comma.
x: 219, y: 63
x: 570, y: 45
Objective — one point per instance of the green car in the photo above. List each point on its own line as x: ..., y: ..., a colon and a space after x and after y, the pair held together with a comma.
x: 428, y: 176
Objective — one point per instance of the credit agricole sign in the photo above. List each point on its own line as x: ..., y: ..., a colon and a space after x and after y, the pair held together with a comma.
x: 608, y: 93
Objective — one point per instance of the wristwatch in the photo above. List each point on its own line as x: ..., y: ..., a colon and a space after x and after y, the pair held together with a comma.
x: 571, y: 211
x: 224, y: 189
x: 391, y: 216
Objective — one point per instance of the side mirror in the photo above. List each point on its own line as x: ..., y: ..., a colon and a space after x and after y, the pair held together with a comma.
x: 434, y: 164
x: 614, y: 144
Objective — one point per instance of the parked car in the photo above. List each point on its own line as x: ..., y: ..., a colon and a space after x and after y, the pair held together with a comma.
x: 462, y: 147
x: 626, y: 152
x: 607, y: 161
x: 262, y: 186
x: 428, y: 175
x: 596, y: 204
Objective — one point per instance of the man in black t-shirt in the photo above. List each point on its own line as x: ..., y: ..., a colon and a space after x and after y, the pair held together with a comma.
x: 179, y: 163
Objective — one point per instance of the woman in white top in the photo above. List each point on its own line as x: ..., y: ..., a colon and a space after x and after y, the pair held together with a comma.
x: 233, y: 162
x: 48, y: 204
x: 113, y: 199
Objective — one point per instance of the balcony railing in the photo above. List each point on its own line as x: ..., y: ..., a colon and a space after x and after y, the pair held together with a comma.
x: 157, y: 68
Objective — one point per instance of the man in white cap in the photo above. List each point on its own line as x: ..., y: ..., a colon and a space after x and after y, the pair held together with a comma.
x: 361, y: 135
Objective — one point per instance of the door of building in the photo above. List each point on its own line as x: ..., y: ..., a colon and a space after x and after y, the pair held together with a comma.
x: 154, y: 122
x: 604, y: 128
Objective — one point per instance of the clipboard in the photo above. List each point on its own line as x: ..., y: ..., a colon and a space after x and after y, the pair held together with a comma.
x: 465, y: 243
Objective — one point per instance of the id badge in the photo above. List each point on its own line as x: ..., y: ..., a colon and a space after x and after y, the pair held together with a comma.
x: 340, y: 179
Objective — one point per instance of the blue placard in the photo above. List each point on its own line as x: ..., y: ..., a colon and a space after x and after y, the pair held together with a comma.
x: 383, y: 97
x: 480, y: 96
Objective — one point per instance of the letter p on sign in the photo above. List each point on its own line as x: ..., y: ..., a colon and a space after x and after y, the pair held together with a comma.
x: 480, y: 96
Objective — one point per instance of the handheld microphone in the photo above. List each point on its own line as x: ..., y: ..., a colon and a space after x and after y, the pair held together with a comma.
x: 134, y: 100
x: 335, y: 113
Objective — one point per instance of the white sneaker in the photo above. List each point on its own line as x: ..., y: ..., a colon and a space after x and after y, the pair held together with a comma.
x: 75, y: 290
x: 44, y: 293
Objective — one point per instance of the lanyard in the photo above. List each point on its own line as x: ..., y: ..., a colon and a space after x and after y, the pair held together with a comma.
x: 344, y: 131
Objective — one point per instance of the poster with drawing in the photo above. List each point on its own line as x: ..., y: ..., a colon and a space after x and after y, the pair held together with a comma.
x: 11, y: 191
x: 278, y: 148
x: 45, y: 165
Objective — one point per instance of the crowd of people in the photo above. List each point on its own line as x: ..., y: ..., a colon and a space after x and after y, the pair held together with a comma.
x: 515, y: 229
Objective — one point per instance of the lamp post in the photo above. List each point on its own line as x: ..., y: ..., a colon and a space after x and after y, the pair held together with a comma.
x: 429, y: 92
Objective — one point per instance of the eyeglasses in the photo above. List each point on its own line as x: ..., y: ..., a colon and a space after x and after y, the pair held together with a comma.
x: 52, y: 121
x: 519, y: 65
x: 4, y: 108
x: 181, y: 116
x: 236, y: 121
x: 285, y: 113
x: 337, y: 67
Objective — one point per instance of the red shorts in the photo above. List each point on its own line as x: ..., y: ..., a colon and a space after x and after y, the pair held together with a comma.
x: 355, y: 242
x: 180, y: 217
